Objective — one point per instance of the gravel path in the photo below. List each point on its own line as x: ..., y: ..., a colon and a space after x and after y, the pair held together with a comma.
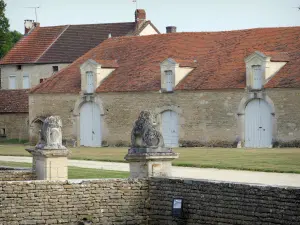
x: 242, y: 176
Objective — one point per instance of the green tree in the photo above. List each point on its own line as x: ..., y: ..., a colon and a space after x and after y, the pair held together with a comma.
x: 7, y: 38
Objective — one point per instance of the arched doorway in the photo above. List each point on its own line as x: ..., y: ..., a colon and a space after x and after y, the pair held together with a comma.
x: 90, y: 125
x: 258, y: 124
x: 169, y: 128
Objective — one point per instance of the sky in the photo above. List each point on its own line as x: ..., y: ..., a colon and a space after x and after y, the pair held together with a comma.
x: 186, y: 15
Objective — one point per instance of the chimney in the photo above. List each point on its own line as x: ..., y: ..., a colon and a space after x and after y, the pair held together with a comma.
x: 171, y: 29
x: 29, y: 25
x: 140, y: 17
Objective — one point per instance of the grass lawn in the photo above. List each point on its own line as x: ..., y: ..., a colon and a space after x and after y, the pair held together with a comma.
x: 78, y: 173
x: 271, y: 160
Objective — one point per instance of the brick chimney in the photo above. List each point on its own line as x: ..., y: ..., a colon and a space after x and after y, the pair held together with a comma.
x: 140, y: 17
x: 171, y: 29
x: 29, y: 25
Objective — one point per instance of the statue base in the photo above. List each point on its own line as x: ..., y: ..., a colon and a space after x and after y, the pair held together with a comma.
x: 50, y: 164
x: 150, y: 162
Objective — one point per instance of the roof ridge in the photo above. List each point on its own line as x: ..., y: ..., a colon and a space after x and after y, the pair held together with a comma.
x: 67, y: 26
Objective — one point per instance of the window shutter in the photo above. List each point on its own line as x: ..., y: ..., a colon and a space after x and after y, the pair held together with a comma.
x: 89, y: 82
x: 26, y: 81
x: 12, y: 82
x: 169, y: 80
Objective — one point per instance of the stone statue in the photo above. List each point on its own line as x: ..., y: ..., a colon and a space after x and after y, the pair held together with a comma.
x: 50, y: 134
x: 144, y: 134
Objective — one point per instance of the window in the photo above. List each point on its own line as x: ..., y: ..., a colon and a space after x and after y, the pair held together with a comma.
x: 12, y: 82
x: 2, y: 132
x: 169, y: 80
x: 19, y: 67
x: 41, y: 80
x: 257, y: 77
x: 55, y: 69
x: 89, y: 82
x: 26, y: 81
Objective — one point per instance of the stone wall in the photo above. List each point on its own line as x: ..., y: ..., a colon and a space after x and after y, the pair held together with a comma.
x: 15, y: 125
x: 204, y: 116
x: 13, y: 174
x: 108, y: 201
x: 223, y: 203
x: 43, y: 105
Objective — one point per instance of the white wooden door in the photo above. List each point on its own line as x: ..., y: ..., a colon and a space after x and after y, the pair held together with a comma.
x: 12, y: 82
x: 89, y: 82
x: 26, y: 81
x: 169, y: 81
x: 258, y: 124
x: 90, y: 125
x: 169, y: 121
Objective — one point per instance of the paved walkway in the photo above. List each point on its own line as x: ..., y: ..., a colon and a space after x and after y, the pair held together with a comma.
x: 243, y: 176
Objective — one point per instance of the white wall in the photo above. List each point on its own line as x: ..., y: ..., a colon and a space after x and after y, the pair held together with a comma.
x: 35, y: 71
x: 148, y: 30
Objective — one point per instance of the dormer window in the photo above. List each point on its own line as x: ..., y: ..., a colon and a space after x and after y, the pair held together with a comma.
x: 89, y: 82
x: 169, y: 80
x: 172, y: 72
x: 257, y: 77
x: 94, y: 72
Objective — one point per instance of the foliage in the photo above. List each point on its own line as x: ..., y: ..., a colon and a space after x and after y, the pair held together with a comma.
x: 7, y: 38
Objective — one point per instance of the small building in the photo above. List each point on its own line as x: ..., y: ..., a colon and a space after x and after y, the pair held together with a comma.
x: 44, y: 51
x: 238, y: 88
x: 14, y: 114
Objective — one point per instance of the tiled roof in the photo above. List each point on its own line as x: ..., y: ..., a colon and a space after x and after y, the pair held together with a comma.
x: 32, y: 46
x: 14, y: 101
x: 63, y: 44
x: 219, y: 58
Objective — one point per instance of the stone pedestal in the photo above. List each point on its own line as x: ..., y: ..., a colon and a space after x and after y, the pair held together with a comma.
x: 50, y: 164
x: 150, y: 162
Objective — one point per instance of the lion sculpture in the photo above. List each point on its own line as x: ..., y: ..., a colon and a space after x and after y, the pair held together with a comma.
x: 144, y: 133
x: 50, y: 134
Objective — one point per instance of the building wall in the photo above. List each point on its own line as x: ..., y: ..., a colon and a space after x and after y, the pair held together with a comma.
x: 35, y: 71
x: 15, y: 125
x: 107, y: 201
x: 43, y: 105
x: 223, y: 203
x: 204, y: 116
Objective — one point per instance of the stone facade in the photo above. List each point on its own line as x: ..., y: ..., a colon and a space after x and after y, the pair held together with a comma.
x: 57, y: 104
x: 15, y: 125
x: 223, y: 203
x: 204, y: 116
x: 12, y: 174
x: 109, y: 201
x: 35, y: 72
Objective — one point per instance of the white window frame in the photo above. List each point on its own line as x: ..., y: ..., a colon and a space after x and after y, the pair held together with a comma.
x: 169, y: 80
x: 26, y: 75
x: 90, y: 87
x: 10, y: 83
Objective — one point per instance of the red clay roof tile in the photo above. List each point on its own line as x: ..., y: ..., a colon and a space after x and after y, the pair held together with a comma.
x: 14, y: 101
x: 219, y: 59
x: 64, y: 44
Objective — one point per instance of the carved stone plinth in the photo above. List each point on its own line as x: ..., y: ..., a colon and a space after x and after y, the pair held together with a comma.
x: 150, y: 162
x: 50, y: 164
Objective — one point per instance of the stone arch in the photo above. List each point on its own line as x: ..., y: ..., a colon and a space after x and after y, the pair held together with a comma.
x: 35, y: 127
x: 76, y: 113
x: 241, y: 114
